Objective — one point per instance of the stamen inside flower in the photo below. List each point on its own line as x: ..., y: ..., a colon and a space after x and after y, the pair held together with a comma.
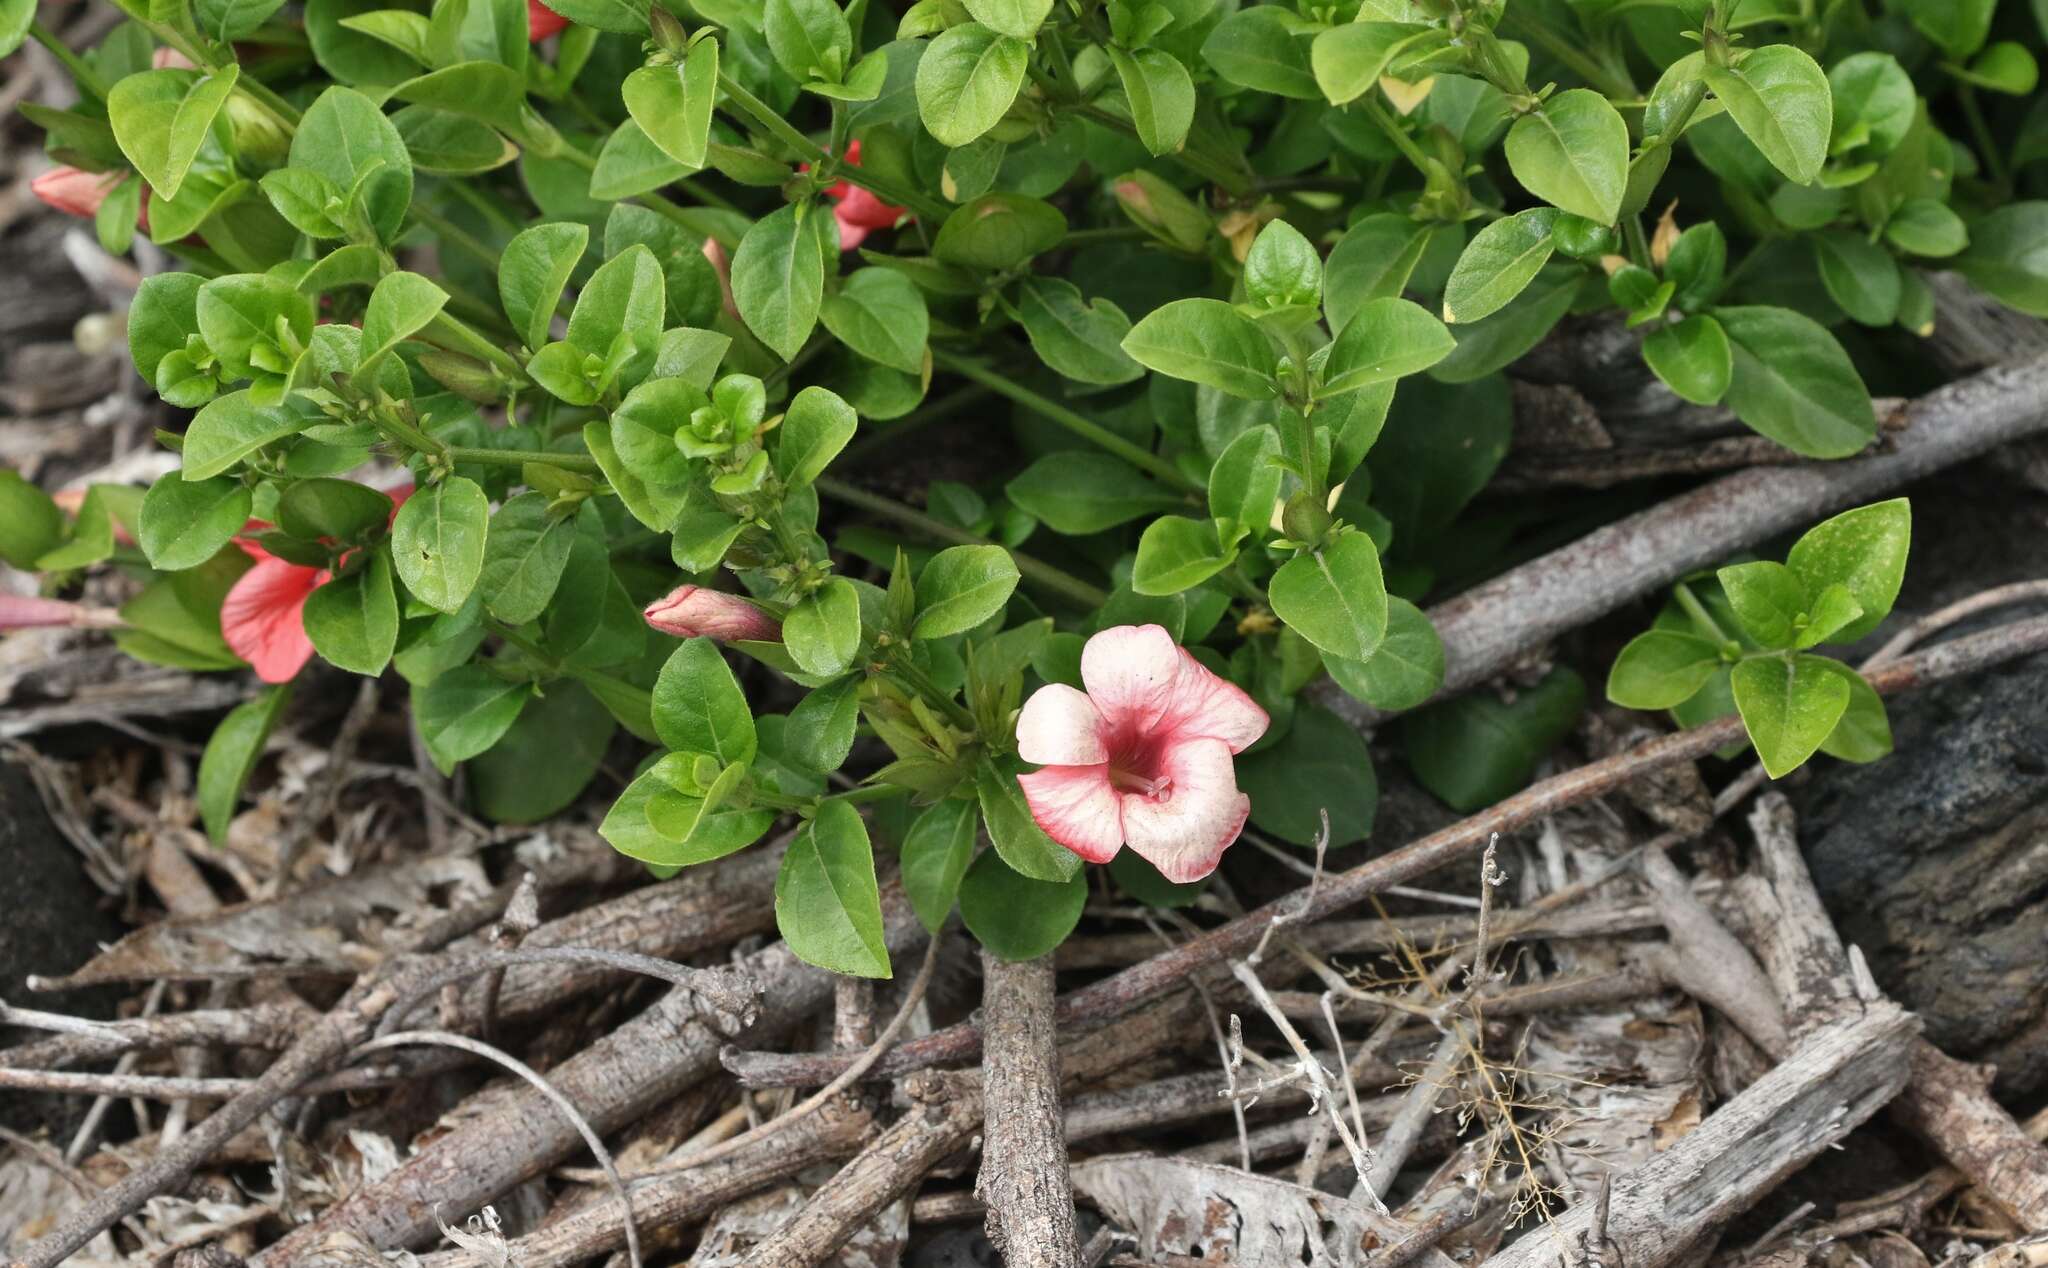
x: 1131, y: 781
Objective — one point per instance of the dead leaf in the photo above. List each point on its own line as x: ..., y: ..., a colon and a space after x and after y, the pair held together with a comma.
x: 1220, y: 1213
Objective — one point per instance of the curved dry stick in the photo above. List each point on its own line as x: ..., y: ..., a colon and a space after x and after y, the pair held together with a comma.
x: 811, y: 1104
x: 1941, y: 618
x: 475, y: 1047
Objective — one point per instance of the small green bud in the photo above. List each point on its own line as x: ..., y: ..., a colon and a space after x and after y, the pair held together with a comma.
x: 1580, y: 238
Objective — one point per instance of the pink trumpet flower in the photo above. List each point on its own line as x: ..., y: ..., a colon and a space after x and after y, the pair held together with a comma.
x: 1142, y: 758
x: 695, y: 611
x: 73, y: 191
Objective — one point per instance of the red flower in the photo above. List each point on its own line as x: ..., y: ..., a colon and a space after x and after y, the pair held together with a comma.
x: 541, y: 21
x: 263, y: 618
x: 857, y: 210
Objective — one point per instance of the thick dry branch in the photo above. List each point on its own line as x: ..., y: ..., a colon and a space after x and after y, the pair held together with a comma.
x: 1949, y: 1104
x: 1120, y: 992
x: 642, y: 1063
x: 264, y: 1026
x: 1023, y: 1175
x: 1810, y: 1101
x: 1486, y: 628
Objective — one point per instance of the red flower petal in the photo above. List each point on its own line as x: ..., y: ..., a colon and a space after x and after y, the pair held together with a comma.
x: 263, y: 616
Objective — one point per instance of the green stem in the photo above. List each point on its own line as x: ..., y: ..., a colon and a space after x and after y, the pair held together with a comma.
x: 1209, y: 167
x: 916, y: 679
x: 462, y: 337
x: 1688, y: 102
x: 584, y: 159
x: 1690, y: 602
x: 1638, y: 244
x: 1609, y: 81
x: 781, y: 129
x: 483, y: 206
x: 869, y: 792
x: 1044, y: 574
x: 1395, y: 133
x: 411, y: 436
x: 1053, y: 411
x: 1987, y: 145
x: 87, y: 79
x: 455, y: 235
x: 520, y: 457
x: 1114, y: 233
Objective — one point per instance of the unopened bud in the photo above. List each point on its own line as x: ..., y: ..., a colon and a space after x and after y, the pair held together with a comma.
x: 467, y: 377
x: 260, y: 136
x: 1163, y: 211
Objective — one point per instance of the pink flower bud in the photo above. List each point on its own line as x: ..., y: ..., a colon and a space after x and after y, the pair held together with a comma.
x: 74, y: 192
x: 695, y: 611
x: 541, y: 21
x: 171, y: 59
x: 27, y: 612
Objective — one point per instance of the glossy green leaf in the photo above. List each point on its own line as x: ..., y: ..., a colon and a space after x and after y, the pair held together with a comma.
x: 672, y: 104
x: 1263, y: 48
x: 1794, y: 384
x: 1017, y: 916
x: 1076, y: 337
x: 1017, y: 837
x: 1789, y: 706
x: 822, y: 630
x: 534, y: 271
x: 1176, y: 553
x: 347, y: 139
x: 465, y: 711
x: 967, y: 79
x: 698, y: 705
x: 1693, y: 358
x: 814, y: 430
x: 1334, y: 597
x: 998, y: 231
x: 880, y: 314
x: 525, y: 550
x: 1499, y: 263
x: 1386, y: 339
x: 1661, y: 669
x: 1209, y: 342
x: 1475, y: 750
x: 231, y: 755
x: 936, y: 854
x: 438, y: 542
x: 821, y: 728
x: 353, y: 619
x: 2008, y: 256
x: 185, y: 522
x: 1573, y: 153
x: 961, y: 587
x: 1863, y: 550
x: 1780, y: 99
x: 828, y: 905
x: 1160, y: 94
x: 1406, y: 669
x: 778, y: 279
x: 1860, y: 275
x: 1084, y: 491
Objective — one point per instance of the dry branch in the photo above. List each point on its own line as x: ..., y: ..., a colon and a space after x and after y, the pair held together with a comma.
x: 1486, y: 628
x: 1024, y: 1154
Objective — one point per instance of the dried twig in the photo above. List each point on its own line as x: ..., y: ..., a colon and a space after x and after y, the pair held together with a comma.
x: 1023, y: 1176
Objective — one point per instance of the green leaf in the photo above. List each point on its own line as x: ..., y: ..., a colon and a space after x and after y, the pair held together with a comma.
x: 534, y: 271
x: 1863, y: 550
x: 1860, y: 275
x: 347, y: 139
x: 1282, y: 269
x: 1017, y: 837
x: 240, y: 316
x: 778, y: 279
x: 1260, y: 48
x: 1864, y: 734
x: 672, y: 104
x: 1475, y: 750
x: 1160, y: 94
x: 438, y: 542
x: 1662, y: 669
x: 1321, y: 764
x: 449, y: 144
x: 631, y: 164
x: 822, y: 631
x: 654, y: 822
x: 465, y: 711
x: 1958, y: 27
x: 1693, y: 358
x: 1874, y: 100
x: 1794, y: 384
x: 966, y: 80
x: 1348, y: 59
x: 1079, y: 339
x: 880, y: 314
x: 961, y: 587
x: 815, y: 429
x: 16, y: 16
x: 231, y: 428
x: 1386, y: 339
x: 185, y: 522
x: 1244, y: 484
x: 1780, y: 99
x: 698, y: 705
x: 231, y: 755
x: 808, y: 38
x: 1334, y: 597
x: 1206, y: 341
x: 1768, y: 599
x: 525, y: 550
x: 306, y: 199
x: 1828, y: 614
x: 1020, y: 18
x: 1373, y: 260
x: 1573, y: 153
x: 1080, y: 491
x: 627, y: 17
x: 546, y: 759
x: 1136, y: 877
x: 1926, y: 227
x: 353, y: 619
x: 996, y: 232
x: 31, y: 525
x: 1177, y: 553
x: 400, y: 307
x: 1406, y: 668
x: 820, y: 731
x: 1019, y: 917
x: 326, y: 507
x: 1789, y: 706
x: 828, y: 905
x: 2008, y: 256
x: 936, y: 852
x: 1499, y: 263
x: 2006, y: 67
x: 625, y: 297
x: 162, y: 117
x: 163, y: 315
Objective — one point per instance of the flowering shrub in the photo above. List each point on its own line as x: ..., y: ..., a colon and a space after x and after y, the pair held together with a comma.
x: 635, y: 294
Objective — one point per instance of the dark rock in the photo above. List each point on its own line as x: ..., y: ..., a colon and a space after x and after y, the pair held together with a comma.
x: 1935, y: 860
x: 52, y: 923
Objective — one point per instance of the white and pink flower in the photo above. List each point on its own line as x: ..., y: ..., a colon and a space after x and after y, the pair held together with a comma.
x: 1143, y: 758
x: 700, y: 612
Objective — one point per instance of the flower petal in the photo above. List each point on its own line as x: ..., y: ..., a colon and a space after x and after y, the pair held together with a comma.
x: 1206, y: 706
x: 851, y: 233
x: 1130, y: 672
x: 261, y: 619
x: 1077, y: 808
x: 1060, y: 726
x: 1184, y: 833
